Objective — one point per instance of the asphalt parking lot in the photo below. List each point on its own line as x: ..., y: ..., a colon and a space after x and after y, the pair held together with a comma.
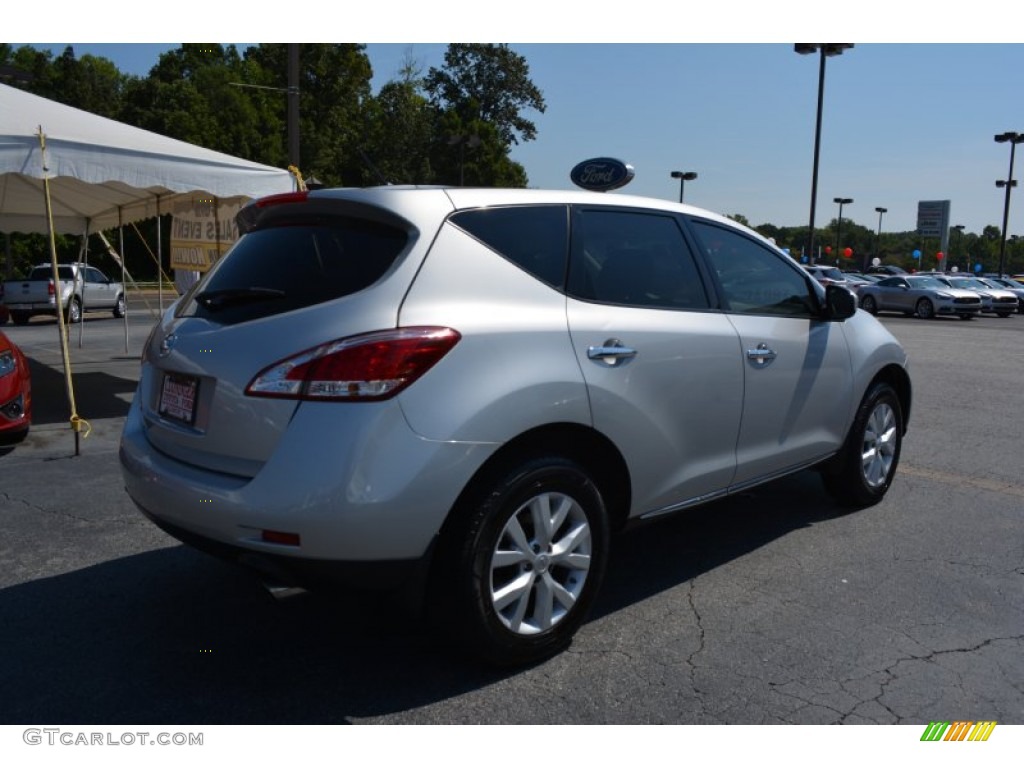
x: 774, y: 606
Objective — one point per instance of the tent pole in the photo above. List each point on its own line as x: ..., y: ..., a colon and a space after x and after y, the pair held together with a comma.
x: 83, y: 256
x: 159, y: 259
x: 120, y: 234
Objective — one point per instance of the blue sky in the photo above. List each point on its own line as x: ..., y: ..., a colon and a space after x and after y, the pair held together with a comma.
x: 903, y: 122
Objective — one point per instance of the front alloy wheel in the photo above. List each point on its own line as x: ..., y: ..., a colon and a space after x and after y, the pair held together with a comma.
x: 861, y: 473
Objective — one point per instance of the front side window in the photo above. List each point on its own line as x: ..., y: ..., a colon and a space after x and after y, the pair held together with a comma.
x: 754, y: 279
x: 636, y: 259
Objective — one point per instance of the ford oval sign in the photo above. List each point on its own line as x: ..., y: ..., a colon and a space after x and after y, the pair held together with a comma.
x: 601, y: 174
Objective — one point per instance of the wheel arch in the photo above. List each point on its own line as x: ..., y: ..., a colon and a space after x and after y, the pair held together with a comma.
x: 577, y: 442
x: 896, y: 377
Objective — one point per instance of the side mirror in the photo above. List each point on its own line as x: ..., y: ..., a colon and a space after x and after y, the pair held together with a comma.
x: 840, y: 303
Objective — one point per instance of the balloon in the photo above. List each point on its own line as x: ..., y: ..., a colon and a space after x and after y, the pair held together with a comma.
x: 804, y: 259
x: 977, y: 267
x: 955, y: 269
x: 940, y: 255
x: 876, y: 261
x: 916, y: 254
x: 847, y: 252
x: 828, y: 249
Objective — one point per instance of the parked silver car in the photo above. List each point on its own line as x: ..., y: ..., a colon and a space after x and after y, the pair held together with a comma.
x: 994, y: 301
x: 923, y: 295
x: 1006, y: 284
x: 465, y: 392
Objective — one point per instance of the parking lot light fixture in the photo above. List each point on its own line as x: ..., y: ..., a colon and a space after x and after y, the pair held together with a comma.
x: 878, y: 237
x: 683, y: 176
x: 826, y: 50
x: 839, y: 227
x: 959, y: 228
x: 1013, y: 138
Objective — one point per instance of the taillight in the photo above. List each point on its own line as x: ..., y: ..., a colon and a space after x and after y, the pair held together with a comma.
x: 373, y: 366
x: 49, y: 288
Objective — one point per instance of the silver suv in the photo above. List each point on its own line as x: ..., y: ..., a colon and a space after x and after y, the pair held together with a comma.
x: 464, y: 392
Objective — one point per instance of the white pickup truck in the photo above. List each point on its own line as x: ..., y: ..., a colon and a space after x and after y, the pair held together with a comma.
x: 83, y: 288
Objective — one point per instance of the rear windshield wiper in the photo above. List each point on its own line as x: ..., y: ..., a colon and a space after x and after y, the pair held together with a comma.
x: 214, y: 300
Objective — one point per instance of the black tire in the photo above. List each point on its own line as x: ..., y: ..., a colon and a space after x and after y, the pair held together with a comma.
x: 119, y: 306
x: 861, y: 473
x: 74, y: 312
x: 869, y: 305
x: 966, y: 317
x: 925, y: 309
x: 473, y: 598
x: 1004, y: 314
x: 20, y: 318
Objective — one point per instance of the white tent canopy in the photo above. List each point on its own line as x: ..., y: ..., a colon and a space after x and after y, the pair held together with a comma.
x: 104, y: 173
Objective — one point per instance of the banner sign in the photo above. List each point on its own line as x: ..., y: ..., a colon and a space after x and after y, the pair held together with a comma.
x: 202, y: 231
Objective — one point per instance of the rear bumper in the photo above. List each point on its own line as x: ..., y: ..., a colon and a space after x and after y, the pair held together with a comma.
x: 355, y: 484
x: 320, y: 575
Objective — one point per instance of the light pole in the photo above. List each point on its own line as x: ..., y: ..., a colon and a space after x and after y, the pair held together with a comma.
x: 959, y: 235
x: 878, y: 238
x: 683, y: 176
x: 839, y: 227
x: 826, y: 49
x: 1014, y: 138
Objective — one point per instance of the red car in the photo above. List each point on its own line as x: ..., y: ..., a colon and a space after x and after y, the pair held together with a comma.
x: 15, y: 392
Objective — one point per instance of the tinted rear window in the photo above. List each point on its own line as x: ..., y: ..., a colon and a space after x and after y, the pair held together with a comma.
x: 280, y: 269
x: 46, y: 273
x: 536, y: 238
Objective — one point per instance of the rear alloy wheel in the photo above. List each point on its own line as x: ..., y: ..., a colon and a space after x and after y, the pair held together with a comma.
x: 925, y: 309
x: 860, y: 474
x: 868, y: 305
x: 74, y: 313
x: 522, y: 562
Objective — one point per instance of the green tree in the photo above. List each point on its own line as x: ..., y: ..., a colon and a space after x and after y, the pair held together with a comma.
x: 402, y: 127
x: 487, y: 82
x: 336, y: 117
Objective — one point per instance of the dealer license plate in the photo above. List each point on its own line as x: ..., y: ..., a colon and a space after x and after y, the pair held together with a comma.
x: 178, y: 398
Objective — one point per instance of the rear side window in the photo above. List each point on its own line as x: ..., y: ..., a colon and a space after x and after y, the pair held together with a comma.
x: 633, y: 259
x: 280, y: 269
x: 533, y: 237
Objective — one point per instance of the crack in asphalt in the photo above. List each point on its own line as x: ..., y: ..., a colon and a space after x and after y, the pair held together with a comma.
x: 4, y: 496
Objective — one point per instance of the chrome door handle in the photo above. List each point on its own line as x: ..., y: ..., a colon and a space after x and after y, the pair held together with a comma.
x: 611, y: 352
x: 762, y: 355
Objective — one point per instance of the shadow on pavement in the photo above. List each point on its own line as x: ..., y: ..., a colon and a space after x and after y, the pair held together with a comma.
x: 96, y: 394
x: 173, y: 636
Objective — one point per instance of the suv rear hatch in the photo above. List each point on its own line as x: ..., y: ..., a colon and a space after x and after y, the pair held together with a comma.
x: 309, y: 269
